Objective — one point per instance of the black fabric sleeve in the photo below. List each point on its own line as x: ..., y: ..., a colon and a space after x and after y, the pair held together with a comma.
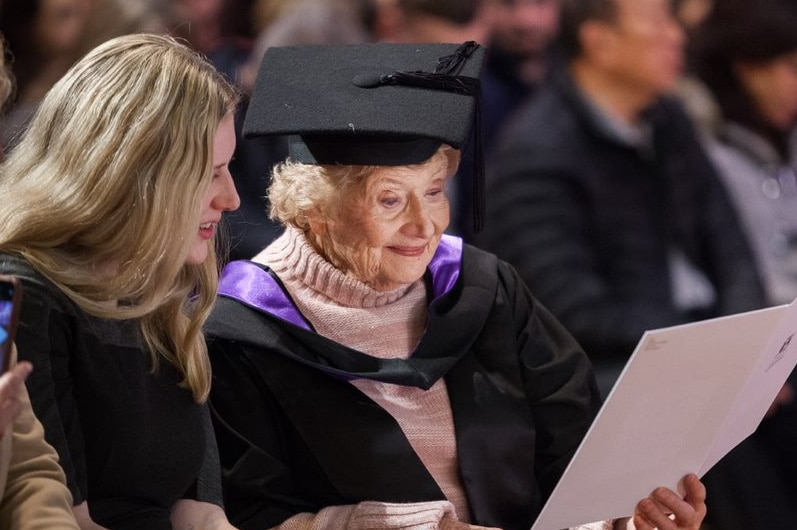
x: 557, y: 379
x: 257, y: 478
x: 45, y: 337
x: 208, y: 484
x: 539, y: 221
x: 587, y: 224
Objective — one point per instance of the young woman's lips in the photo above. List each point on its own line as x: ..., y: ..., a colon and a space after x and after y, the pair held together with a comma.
x: 206, y: 230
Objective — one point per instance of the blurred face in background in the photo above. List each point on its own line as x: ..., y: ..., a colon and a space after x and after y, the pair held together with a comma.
x: 60, y: 24
x: 692, y: 12
x: 773, y: 87
x: 454, y: 21
x: 643, y: 47
x: 200, y: 22
x: 524, y: 28
x: 200, y: 11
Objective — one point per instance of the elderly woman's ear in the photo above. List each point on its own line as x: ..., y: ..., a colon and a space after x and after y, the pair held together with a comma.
x: 317, y: 222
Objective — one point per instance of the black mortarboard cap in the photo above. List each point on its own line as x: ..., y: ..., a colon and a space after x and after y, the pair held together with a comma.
x: 371, y: 104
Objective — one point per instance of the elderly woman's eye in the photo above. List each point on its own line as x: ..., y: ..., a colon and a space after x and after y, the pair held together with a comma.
x: 390, y: 201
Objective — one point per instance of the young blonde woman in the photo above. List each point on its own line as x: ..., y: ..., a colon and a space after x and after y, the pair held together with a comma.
x: 113, y: 199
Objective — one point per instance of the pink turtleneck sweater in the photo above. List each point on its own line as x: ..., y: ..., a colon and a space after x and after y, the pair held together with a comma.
x: 384, y: 324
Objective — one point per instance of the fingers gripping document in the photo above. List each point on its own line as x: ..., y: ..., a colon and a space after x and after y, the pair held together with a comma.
x: 687, y: 396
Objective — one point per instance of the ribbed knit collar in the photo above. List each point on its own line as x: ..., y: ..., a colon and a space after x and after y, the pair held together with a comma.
x: 293, y: 258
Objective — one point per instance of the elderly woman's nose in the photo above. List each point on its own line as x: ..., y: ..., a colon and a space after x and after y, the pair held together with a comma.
x: 419, y: 217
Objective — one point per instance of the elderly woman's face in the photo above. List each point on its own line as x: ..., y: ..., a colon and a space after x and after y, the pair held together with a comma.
x: 386, y: 234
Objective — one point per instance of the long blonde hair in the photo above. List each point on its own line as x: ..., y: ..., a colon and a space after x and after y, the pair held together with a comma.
x: 104, y: 191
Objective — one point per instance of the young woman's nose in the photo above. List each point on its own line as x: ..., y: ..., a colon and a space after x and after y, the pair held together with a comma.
x: 226, y: 198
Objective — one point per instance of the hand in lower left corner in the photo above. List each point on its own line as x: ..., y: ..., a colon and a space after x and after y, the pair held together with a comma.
x: 11, y: 384
x: 665, y: 509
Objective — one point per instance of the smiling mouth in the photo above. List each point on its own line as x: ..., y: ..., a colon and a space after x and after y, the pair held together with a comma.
x: 409, y: 251
x: 206, y: 230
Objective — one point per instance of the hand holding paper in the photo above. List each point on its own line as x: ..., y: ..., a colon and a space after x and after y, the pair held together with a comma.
x: 687, y: 513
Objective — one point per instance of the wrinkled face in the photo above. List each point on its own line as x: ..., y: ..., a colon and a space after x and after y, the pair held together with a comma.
x: 644, y: 46
x: 387, y: 231
x: 220, y: 196
x: 773, y: 87
x: 525, y: 27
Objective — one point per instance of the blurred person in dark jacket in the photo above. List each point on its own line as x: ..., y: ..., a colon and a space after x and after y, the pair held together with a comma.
x: 603, y: 197
x: 519, y: 59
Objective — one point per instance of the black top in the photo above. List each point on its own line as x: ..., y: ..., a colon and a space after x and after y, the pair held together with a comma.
x: 131, y: 442
x: 589, y: 220
x: 521, y: 391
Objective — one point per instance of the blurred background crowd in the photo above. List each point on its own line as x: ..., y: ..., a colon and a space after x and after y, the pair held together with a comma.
x: 44, y: 37
x: 729, y: 66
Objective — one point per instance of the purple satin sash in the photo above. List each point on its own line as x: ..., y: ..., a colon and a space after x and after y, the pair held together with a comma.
x: 248, y: 283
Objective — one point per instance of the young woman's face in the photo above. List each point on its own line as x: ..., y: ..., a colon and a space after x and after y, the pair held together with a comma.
x: 773, y: 86
x: 220, y: 195
x: 386, y: 234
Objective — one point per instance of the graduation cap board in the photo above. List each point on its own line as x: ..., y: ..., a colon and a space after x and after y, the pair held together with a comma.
x: 370, y: 104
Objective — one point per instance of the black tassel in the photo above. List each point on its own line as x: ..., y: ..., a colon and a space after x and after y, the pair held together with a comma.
x: 453, y: 64
x: 467, y: 86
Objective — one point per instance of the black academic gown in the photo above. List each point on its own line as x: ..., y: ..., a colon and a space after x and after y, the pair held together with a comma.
x: 295, y: 436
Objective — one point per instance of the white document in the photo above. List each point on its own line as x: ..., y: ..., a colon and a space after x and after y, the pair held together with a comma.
x: 686, y: 397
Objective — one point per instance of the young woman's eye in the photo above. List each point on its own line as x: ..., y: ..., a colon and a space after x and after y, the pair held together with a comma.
x: 220, y: 171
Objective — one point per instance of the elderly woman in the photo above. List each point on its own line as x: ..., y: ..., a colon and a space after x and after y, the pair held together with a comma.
x: 369, y: 370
